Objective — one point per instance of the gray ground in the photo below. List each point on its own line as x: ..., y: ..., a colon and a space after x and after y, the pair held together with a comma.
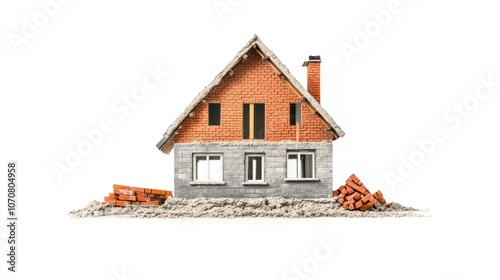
x: 236, y: 208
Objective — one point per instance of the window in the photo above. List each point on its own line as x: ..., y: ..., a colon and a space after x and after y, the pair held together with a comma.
x: 254, y: 120
x: 295, y: 113
x: 207, y: 167
x: 300, y: 165
x: 214, y: 114
x: 254, y: 168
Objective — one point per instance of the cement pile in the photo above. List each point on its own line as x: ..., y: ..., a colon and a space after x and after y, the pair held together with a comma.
x: 271, y: 207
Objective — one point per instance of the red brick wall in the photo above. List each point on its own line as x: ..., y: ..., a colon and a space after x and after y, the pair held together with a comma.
x: 313, y: 80
x: 253, y: 81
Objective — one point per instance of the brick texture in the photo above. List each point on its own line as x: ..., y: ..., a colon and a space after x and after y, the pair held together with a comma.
x: 125, y: 195
x: 313, y: 79
x: 354, y: 195
x: 253, y: 81
x: 121, y: 187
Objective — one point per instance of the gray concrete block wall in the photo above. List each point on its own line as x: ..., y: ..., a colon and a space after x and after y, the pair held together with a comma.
x: 275, y: 164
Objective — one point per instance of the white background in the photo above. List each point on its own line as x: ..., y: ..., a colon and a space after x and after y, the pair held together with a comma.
x: 393, y: 92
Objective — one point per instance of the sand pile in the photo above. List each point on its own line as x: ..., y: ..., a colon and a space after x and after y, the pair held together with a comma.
x: 270, y: 207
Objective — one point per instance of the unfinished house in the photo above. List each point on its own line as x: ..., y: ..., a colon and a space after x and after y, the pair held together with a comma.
x: 254, y: 131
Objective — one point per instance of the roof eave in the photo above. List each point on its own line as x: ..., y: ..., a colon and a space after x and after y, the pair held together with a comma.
x: 199, y: 98
x: 166, y: 143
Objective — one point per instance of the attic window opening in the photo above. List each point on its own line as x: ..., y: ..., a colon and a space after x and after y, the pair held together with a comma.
x: 295, y: 113
x: 254, y: 120
x: 214, y: 114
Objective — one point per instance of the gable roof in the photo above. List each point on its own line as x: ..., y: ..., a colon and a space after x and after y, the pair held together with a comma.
x: 167, y: 142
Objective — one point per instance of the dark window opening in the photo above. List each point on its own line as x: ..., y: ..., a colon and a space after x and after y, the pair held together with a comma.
x: 259, y: 122
x: 254, y: 121
x: 246, y: 121
x: 294, y: 113
x: 214, y: 114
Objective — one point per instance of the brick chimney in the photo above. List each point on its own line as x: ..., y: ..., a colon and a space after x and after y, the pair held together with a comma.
x: 313, y: 76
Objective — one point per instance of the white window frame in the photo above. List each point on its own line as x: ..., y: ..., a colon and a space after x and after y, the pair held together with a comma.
x: 247, y: 156
x: 207, y: 155
x: 299, y: 165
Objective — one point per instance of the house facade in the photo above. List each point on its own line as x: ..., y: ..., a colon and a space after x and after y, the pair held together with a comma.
x: 254, y: 132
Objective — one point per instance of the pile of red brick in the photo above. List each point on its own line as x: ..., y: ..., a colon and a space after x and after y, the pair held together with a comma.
x: 355, y: 196
x: 125, y: 195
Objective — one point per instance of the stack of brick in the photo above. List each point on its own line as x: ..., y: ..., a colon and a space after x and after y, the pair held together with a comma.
x: 355, y: 196
x: 125, y: 195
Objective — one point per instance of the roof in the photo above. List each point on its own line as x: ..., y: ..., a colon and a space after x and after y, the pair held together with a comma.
x: 167, y: 142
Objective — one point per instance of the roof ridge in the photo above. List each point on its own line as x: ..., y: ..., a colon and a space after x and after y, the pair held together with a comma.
x: 166, y: 143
